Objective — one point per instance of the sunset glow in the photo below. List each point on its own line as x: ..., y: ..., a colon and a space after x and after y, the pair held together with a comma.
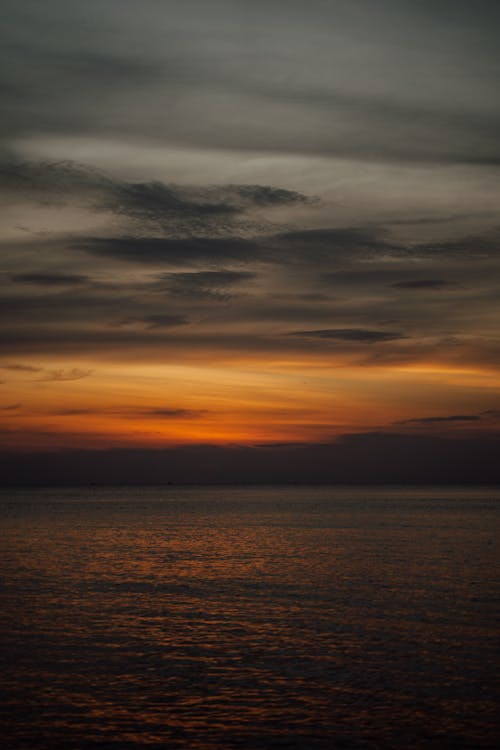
x: 99, y: 404
x: 240, y: 233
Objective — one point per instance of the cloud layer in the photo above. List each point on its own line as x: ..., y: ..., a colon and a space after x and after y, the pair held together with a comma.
x: 205, y: 74
x: 221, y: 226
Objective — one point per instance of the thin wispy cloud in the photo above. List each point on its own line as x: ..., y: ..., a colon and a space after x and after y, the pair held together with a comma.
x: 49, y: 279
x: 350, y: 334
x: 439, y: 420
x: 60, y: 376
x: 18, y: 367
x: 421, y: 284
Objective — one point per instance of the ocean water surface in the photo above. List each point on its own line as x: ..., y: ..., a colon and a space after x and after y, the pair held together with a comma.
x: 249, y: 617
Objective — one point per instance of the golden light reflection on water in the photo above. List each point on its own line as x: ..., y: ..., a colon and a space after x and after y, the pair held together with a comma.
x: 209, y: 618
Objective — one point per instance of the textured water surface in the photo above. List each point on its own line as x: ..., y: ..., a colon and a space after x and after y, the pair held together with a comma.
x: 264, y: 617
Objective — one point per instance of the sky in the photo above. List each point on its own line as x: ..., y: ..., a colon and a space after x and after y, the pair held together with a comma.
x: 233, y: 228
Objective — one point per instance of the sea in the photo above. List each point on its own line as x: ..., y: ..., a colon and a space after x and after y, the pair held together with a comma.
x: 249, y: 617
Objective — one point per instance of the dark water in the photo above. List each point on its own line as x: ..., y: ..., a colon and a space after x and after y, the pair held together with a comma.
x: 279, y: 617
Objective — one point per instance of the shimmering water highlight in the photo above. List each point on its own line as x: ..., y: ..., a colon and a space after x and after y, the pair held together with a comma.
x: 264, y: 617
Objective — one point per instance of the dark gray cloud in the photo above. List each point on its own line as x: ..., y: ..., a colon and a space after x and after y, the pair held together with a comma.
x: 40, y: 278
x: 307, y: 247
x: 64, y: 308
x: 371, y: 244
x: 11, y: 407
x: 176, y: 251
x: 372, y: 275
x: 174, y: 208
x: 128, y: 413
x: 171, y: 413
x: 359, y: 335
x: 164, y: 321
x: 471, y: 247
x: 333, y: 245
x: 439, y: 420
x: 217, y: 285
x: 155, y: 201
x: 421, y: 86
x: 242, y: 196
x: 272, y: 280
x: 228, y: 340
x: 49, y: 181
x: 421, y: 284
x: 208, y: 279
x: 271, y: 283
x: 344, y: 289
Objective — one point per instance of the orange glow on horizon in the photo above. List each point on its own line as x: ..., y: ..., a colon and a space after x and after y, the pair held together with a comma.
x: 107, y: 404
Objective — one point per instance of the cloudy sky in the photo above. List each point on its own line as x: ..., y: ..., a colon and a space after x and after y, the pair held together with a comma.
x: 248, y: 224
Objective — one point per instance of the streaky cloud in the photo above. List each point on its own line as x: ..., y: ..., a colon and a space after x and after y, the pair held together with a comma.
x: 165, y: 321
x: 350, y: 334
x: 167, y: 413
x: 439, y: 420
x: 50, y: 279
x: 175, y: 208
x: 58, y: 376
x: 215, y: 285
x: 155, y: 321
x: 134, y: 413
x: 17, y: 367
x: 172, y: 251
x: 421, y: 284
